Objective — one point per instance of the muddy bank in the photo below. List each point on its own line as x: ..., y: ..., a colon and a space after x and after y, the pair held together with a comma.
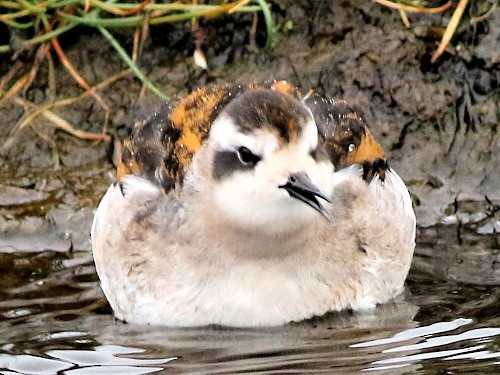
x: 439, y: 122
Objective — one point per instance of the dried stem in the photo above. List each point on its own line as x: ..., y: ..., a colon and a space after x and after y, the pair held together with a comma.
x: 410, y: 8
x: 450, y: 29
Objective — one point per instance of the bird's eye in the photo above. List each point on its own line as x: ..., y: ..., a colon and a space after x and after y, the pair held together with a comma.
x: 246, y: 157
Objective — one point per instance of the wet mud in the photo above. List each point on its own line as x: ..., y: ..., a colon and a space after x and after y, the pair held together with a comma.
x: 438, y: 122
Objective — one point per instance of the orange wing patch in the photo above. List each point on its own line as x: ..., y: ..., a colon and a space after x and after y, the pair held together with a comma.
x: 285, y: 88
x: 128, y: 165
x: 369, y: 150
x: 193, y: 118
x: 346, y: 137
x: 194, y: 115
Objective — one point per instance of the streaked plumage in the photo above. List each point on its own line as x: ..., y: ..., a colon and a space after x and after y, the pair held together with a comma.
x: 246, y: 205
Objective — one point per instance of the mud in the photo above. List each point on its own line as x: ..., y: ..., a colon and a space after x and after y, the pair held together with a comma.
x: 438, y: 122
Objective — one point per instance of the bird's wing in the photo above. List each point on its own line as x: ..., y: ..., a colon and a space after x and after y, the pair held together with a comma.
x: 346, y: 137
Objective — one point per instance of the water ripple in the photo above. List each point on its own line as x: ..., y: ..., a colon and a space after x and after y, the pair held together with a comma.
x: 54, y: 319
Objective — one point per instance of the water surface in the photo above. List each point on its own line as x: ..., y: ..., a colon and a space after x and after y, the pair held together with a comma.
x: 54, y: 320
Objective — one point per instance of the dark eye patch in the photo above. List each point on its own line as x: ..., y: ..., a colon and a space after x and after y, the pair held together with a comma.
x: 227, y: 162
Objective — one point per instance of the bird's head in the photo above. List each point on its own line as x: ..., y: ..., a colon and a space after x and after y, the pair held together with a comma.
x: 266, y: 168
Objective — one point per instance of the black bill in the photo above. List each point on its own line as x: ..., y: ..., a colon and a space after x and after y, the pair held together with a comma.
x: 301, y: 187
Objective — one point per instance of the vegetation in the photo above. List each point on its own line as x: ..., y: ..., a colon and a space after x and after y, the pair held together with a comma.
x: 49, y: 19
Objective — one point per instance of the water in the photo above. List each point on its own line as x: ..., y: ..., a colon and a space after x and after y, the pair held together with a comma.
x: 55, y: 320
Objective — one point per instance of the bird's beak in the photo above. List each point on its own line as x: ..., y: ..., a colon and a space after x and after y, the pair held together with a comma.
x: 301, y: 187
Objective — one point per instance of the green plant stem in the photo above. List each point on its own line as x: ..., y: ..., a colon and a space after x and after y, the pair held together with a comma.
x: 11, y: 5
x: 266, y: 11
x: 129, y: 21
x: 31, y: 7
x: 183, y: 7
x: 15, y: 24
x: 123, y: 54
x: 133, y: 21
x: 92, y: 19
x: 51, y: 34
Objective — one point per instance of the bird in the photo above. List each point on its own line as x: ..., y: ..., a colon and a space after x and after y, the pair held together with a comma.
x: 251, y: 205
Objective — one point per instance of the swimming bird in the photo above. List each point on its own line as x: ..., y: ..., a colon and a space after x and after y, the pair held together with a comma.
x: 251, y: 205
